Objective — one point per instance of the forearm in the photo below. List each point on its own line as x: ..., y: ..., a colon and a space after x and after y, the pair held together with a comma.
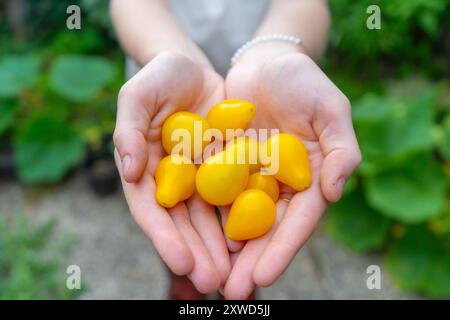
x: 146, y: 28
x: 306, y: 19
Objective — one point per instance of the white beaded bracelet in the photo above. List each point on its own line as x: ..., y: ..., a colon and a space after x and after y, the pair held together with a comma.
x: 266, y: 38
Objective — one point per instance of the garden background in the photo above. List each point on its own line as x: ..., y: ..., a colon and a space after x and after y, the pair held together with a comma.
x: 59, y: 188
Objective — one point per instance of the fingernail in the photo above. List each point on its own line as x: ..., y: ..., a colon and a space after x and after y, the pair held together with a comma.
x: 126, y: 161
x: 340, y: 185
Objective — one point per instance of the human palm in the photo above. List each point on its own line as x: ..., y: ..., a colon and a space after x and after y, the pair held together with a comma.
x: 293, y: 95
x: 188, y: 237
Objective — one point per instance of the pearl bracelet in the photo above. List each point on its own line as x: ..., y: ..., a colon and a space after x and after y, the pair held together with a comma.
x: 270, y: 37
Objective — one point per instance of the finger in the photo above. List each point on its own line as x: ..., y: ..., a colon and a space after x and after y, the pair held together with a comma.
x: 206, y: 223
x: 340, y: 149
x: 146, y: 100
x: 240, y: 283
x: 130, y: 134
x: 301, y: 218
x: 204, y: 276
x: 233, y: 257
x: 156, y: 223
x: 233, y: 246
x: 134, y: 114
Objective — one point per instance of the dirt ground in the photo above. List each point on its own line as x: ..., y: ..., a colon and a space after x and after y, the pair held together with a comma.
x: 118, y: 262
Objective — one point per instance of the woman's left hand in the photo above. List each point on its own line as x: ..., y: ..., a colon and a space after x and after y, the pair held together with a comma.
x: 292, y: 94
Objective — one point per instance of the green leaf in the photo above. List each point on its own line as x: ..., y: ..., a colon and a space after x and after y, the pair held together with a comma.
x: 46, y: 149
x: 412, y: 193
x: 420, y: 261
x: 7, y: 114
x: 80, y: 78
x: 416, y: 84
x: 373, y: 109
x: 444, y: 141
x: 390, y: 130
x: 17, y: 72
x: 352, y: 222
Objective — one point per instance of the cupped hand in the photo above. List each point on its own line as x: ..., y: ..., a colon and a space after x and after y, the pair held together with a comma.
x: 292, y: 94
x: 188, y: 237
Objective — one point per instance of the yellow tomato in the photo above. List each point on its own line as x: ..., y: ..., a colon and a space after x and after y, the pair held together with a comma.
x: 231, y: 114
x: 292, y: 160
x: 191, y: 137
x: 246, y: 149
x: 220, y: 179
x: 175, y: 180
x: 252, y: 214
x: 266, y: 183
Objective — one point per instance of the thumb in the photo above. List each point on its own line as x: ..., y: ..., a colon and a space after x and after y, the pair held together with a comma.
x: 341, y: 151
x: 130, y: 135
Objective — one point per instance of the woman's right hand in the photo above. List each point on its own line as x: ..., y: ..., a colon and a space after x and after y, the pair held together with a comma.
x: 188, y: 237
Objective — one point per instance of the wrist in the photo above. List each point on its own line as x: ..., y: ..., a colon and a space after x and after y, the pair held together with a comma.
x: 193, y: 54
x: 259, y: 54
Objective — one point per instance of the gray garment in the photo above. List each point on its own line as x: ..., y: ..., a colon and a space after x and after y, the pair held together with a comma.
x: 219, y: 27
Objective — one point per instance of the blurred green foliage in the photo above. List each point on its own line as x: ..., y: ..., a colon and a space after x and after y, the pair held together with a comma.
x: 412, y: 33
x: 17, y: 74
x: 80, y: 78
x: 398, y: 81
x: 353, y: 222
x: 420, y: 261
x: 30, y: 265
x: 45, y: 142
x: 58, y: 89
